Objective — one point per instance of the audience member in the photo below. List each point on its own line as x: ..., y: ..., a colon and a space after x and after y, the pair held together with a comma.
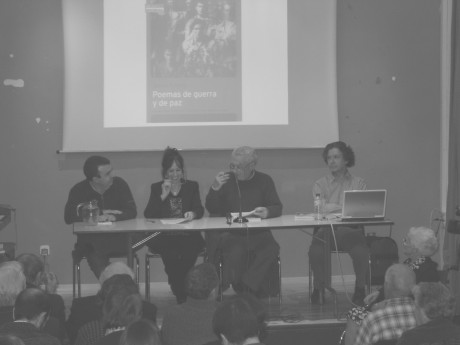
x: 36, y: 277
x: 247, y: 190
x: 115, y: 315
x: 89, y: 308
x: 175, y: 197
x: 12, y: 282
x: 142, y: 332
x: 191, y: 322
x: 10, y: 339
x: 339, y: 157
x: 239, y: 320
x: 395, y: 314
x: 31, y: 312
x: 419, y: 245
x: 434, y: 308
x: 115, y: 203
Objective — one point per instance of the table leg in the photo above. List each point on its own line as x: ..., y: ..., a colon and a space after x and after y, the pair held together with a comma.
x: 130, y: 250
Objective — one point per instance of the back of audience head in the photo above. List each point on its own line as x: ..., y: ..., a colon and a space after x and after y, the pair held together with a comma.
x: 433, y: 300
x: 33, y: 266
x: 12, y: 282
x: 399, y: 281
x: 420, y: 241
x: 116, y: 267
x: 141, y: 332
x: 116, y: 282
x: 238, y: 319
x: 32, y: 305
x: 10, y: 339
x: 201, y: 281
x: 121, y: 307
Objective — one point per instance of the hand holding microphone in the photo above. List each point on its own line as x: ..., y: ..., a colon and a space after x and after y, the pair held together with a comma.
x: 221, y: 179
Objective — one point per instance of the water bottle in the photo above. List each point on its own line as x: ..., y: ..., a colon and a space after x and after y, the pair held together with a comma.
x: 318, y: 215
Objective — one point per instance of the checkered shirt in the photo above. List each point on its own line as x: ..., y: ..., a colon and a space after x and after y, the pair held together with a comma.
x: 388, y: 322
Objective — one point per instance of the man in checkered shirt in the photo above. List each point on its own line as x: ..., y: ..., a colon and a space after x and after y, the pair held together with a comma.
x: 396, y: 314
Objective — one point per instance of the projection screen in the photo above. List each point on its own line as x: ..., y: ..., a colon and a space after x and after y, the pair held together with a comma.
x: 201, y: 74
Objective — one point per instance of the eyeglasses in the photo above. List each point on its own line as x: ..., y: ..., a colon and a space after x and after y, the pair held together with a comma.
x: 232, y: 166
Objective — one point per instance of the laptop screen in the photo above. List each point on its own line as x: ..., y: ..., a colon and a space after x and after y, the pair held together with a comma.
x: 364, y: 204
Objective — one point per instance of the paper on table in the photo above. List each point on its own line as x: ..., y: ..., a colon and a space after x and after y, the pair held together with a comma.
x: 172, y: 221
x: 243, y: 214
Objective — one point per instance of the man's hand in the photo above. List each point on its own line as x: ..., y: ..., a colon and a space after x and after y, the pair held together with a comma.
x: 190, y: 215
x: 261, y: 212
x: 111, y: 212
x: 221, y: 179
x: 106, y: 217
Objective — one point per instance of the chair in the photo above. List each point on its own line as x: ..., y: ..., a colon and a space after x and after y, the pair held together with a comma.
x: 149, y: 255
x: 327, y: 271
x: 76, y: 274
x: 278, y: 271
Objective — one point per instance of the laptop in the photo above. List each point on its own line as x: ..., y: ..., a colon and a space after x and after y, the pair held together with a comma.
x: 364, y: 205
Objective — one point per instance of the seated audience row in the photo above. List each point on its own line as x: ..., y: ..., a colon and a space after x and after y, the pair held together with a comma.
x: 410, y: 314
x: 28, y: 272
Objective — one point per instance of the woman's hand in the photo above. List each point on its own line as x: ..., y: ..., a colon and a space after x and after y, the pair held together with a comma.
x: 165, y: 189
x: 371, y: 297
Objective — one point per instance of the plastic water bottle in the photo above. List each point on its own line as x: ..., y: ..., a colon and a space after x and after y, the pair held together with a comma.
x: 318, y: 215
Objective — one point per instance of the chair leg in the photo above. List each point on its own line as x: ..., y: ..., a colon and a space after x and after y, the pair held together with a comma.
x: 221, y: 279
x: 73, y: 279
x: 78, y: 280
x: 369, y: 286
x: 280, y: 295
x: 147, y: 277
x: 136, y: 259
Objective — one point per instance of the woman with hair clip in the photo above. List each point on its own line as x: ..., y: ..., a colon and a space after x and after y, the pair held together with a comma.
x: 175, y: 197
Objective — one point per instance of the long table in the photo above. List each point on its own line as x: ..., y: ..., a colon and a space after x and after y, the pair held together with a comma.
x: 155, y: 226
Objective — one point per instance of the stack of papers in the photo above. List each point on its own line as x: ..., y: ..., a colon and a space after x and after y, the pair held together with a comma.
x: 304, y: 216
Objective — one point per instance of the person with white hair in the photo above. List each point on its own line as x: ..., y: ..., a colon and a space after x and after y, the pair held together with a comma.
x: 248, y: 256
x: 434, y: 308
x: 12, y: 282
x: 419, y: 245
x: 394, y: 315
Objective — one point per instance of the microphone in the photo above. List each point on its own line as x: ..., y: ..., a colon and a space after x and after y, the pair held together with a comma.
x: 240, y: 219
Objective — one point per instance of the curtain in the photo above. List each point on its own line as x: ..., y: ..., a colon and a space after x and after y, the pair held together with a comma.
x: 452, y: 241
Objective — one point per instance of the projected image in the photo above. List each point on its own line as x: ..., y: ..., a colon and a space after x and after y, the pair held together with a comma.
x: 193, y: 60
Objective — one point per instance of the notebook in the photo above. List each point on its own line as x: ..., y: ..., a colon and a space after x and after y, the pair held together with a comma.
x: 364, y: 205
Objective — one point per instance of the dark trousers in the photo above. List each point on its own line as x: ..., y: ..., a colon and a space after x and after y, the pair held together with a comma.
x: 99, y: 248
x: 179, y: 252
x: 248, y: 259
x: 350, y: 240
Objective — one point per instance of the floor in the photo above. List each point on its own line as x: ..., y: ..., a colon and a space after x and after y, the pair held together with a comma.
x: 295, y: 307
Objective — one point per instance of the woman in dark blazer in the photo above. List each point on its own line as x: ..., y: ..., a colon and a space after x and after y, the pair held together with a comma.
x: 175, y: 197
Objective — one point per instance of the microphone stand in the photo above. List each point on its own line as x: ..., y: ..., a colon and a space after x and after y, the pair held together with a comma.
x: 240, y: 219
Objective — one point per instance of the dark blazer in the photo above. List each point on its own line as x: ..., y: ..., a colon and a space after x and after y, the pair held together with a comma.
x: 89, y: 308
x: 29, y: 334
x: 52, y: 327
